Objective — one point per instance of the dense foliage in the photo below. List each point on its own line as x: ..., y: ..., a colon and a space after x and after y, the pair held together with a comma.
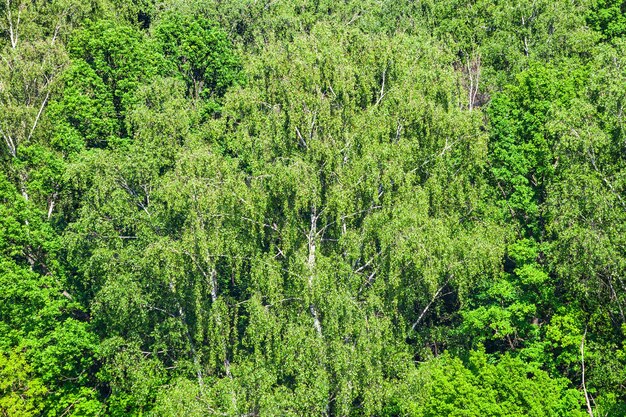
x: 300, y: 208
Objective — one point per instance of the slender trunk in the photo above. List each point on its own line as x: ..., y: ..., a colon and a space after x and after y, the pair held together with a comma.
x: 41, y: 107
x: 213, y: 279
x: 13, y: 30
x: 582, y: 360
x: 311, y: 265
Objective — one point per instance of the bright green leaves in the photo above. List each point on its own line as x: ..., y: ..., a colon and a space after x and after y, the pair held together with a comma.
x: 159, y: 224
x: 523, y: 160
x: 503, y: 39
x: 21, y: 393
x: 586, y: 216
x: 134, y: 375
x: 36, y: 316
x: 161, y: 120
x: 522, y: 146
x: 507, y: 312
x: 25, y: 297
x: 84, y: 115
x: 556, y: 184
x: 65, y: 351
x: 112, y: 60
x: 119, y: 55
x: 199, y: 51
x: 290, y: 244
x: 508, y: 388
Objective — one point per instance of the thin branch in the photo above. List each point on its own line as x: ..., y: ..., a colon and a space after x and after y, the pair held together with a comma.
x: 354, y: 18
x: 43, y: 104
x: 161, y: 310
x: 301, y: 138
x: 368, y: 263
x: 283, y: 300
x: 312, y: 126
x: 505, y: 199
x: 10, y: 143
x: 133, y: 193
x: 56, y: 33
x: 192, y: 346
x: 421, y: 316
x: 445, y: 149
x: 17, y: 25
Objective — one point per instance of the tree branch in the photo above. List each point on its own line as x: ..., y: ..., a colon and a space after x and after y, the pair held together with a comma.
x: 43, y: 104
x: 421, y: 316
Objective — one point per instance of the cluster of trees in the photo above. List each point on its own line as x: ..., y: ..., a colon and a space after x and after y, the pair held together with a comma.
x: 334, y: 208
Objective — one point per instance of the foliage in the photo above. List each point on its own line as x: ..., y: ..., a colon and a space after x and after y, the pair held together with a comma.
x: 480, y: 388
x: 242, y: 207
x: 199, y: 51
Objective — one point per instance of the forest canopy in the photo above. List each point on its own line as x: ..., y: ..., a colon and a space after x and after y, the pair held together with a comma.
x: 312, y: 208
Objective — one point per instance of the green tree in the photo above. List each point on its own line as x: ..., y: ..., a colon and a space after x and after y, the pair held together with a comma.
x: 199, y: 52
